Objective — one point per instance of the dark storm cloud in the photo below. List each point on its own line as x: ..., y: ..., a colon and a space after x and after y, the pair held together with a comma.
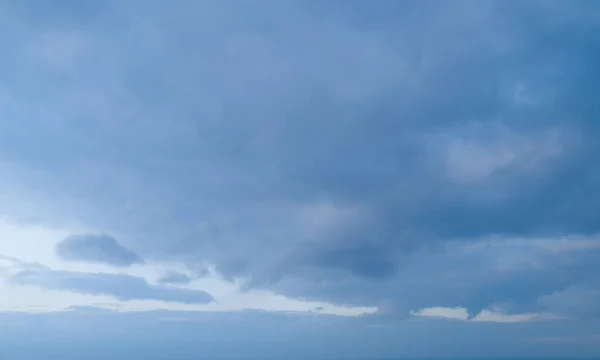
x: 435, y: 122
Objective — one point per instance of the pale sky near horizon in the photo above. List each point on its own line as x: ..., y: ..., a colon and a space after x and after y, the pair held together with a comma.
x: 298, y: 178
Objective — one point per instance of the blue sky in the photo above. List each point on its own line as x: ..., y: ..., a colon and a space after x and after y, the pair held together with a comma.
x: 298, y: 178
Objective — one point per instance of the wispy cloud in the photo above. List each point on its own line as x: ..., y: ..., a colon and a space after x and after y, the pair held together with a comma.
x: 123, y: 287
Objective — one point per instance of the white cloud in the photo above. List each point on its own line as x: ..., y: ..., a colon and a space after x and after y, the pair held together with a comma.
x: 492, y: 316
x: 460, y: 313
x: 457, y: 313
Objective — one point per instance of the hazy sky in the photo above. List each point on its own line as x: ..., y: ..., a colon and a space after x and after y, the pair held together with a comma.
x: 301, y: 179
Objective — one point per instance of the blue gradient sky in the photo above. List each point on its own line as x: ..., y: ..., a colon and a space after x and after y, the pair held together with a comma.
x: 298, y: 178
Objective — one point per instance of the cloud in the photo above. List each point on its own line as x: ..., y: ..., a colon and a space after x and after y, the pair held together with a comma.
x: 460, y: 313
x: 96, y: 248
x: 63, y: 285
x: 580, y: 300
x: 417, y: 155
x: 175, y: 278
x: 446, y: 313
x: 122, y: 287
x: 500, y: 274
x: 7, y: 262
x: 362, y: 259
x: 480, y: 152
x: 491, y: 316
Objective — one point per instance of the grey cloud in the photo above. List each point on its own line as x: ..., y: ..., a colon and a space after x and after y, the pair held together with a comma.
x: 370, y: 157
x: 175, y: 278
x: 99, y: 248
x: 352, y: 96
x: 362, y: 259
x: 476, y: 275
x: 122, y: 287
x: 369, y: 152
x: 579, y: 300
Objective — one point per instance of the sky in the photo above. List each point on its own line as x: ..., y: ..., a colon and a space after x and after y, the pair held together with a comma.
x: 300, y: 179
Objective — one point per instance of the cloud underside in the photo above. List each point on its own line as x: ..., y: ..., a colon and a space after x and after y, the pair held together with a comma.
x: 175, y: 278
x: 96, y: 248
x: 122, y: 287
x: 409, y: 155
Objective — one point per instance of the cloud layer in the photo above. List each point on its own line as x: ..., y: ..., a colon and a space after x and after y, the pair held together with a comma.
x: 395, y: 157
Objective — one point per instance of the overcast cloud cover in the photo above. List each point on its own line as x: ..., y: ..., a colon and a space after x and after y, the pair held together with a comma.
x: 299, y: 178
